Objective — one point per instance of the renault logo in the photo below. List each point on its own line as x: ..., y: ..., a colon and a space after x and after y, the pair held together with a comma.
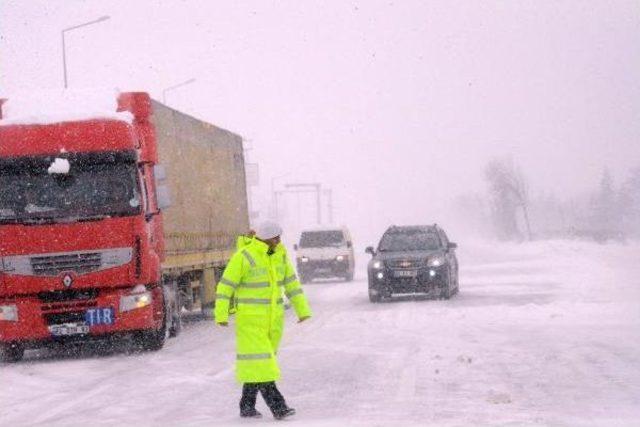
x: 67, y: 280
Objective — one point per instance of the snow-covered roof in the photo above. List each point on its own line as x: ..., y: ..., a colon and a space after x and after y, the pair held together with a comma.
x: 56, y: 106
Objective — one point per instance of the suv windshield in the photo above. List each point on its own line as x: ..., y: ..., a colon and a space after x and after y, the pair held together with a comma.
x: 409, y: 240
x: 88, y: 190
x: 321, y: 239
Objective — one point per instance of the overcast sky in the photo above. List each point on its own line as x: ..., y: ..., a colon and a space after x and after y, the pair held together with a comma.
x: 396, y: 105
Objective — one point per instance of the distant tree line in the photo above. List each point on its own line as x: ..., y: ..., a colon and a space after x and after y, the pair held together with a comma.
x: 511, y: 212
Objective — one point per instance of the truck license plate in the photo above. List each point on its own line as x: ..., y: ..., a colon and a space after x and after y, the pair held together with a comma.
x: 99, y: 316
x: 67, y: 329
x: 405, y: 273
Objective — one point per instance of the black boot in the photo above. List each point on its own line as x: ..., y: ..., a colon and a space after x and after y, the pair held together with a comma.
x: 250, y: 413
x: 248, y: 401
x: 284, y: 413
x: 275, y: 401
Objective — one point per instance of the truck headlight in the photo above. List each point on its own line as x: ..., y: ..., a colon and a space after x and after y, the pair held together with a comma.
x: 436, y: 261
x: 340, y: 258
x: 377, y: 265
x: 135, y: 300
x: 304, y: 259
x: 9, y: 313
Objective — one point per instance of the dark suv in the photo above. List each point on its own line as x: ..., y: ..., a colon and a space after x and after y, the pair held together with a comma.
x: 413, y: 260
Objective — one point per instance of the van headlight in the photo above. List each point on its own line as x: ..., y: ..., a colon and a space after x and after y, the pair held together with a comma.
x: 304, y: 259
x: 340, y: 258
x: 9, y: 313
x: 137, y: 299
x: 377, y: 265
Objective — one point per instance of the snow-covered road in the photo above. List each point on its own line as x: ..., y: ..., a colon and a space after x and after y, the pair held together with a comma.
x: 545, y: 333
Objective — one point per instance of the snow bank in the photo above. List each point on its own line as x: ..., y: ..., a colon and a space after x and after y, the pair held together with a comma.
x: 55, y: 106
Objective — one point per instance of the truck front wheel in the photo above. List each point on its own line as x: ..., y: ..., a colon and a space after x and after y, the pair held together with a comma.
x: 153, y: 340
x: 11, y: 352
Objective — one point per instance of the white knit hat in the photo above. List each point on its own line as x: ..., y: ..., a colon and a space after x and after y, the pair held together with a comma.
x: 268, y: 230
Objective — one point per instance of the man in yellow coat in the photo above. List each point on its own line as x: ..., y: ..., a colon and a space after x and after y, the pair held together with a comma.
x: 257, y: 277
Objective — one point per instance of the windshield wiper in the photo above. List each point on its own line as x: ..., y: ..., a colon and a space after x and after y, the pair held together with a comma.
x: 36, y: 221
x: 91, y: 218
x: 9, y: 221
x: 57, y: 220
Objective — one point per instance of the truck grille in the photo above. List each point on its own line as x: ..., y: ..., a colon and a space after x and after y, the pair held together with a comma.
x: 68, y: 299
x: 80, y: 263
x: 61, y: 318
x: 68, y: 295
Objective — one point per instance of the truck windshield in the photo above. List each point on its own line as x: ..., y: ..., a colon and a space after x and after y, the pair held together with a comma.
x: 321, y: 239
x: 93, y: 190
x: 412, y: 240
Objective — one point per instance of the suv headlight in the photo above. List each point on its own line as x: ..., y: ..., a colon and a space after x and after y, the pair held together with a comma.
x: 436, y: 261
x: 377, y: 265
x: 304, y: 259
x: 138, y: 298
x: 341, y: 258
x: 9, y: 312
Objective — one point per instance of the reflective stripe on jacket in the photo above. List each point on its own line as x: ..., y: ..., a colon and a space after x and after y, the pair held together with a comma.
x: 258, y: 281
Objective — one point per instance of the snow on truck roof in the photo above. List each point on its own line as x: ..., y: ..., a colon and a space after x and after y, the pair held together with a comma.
x: 57, y: 106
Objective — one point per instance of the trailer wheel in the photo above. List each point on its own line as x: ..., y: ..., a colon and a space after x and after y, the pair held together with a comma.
x: 11, y: 352
x: 176, y: 325
x: 175, y: 309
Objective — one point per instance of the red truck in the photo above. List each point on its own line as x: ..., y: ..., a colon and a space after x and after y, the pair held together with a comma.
x: 82, y: 239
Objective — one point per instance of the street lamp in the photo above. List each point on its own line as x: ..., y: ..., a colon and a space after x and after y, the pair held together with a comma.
x: 167, y: 89
x: 64, y: 48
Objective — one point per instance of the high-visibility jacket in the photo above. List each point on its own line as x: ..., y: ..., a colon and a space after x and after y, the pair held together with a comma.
x: 258, y: 281
x: 243, y: 241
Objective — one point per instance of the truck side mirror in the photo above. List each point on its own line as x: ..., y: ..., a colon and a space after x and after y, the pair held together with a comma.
x: 370, y: 250
x: 295, y: 246
x: 164, y: 197
x: 452, y: 245
x: 349, y: 245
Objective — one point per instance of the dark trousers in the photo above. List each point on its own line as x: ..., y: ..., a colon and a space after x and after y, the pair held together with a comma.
x: 270, y: 394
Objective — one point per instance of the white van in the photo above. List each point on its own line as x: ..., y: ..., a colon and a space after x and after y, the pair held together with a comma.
x: 325, y: 253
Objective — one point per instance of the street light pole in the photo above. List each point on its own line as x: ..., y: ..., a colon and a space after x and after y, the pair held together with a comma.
x: 167, y: 89
x: 64, y: 46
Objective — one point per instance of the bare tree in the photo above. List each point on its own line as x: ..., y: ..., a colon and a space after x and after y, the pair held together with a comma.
x: 509, y: 192
x: 630, y: 204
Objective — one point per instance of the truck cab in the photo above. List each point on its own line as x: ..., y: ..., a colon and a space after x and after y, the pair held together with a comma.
x: 81, y: 241
x: 325, y: 253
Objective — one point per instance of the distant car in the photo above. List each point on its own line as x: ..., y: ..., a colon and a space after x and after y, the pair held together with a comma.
x: 413, y: 260
x: 326, y: 253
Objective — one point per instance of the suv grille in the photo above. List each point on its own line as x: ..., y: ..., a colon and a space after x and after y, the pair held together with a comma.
x: 404, y: 263
x: 81, y: 263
